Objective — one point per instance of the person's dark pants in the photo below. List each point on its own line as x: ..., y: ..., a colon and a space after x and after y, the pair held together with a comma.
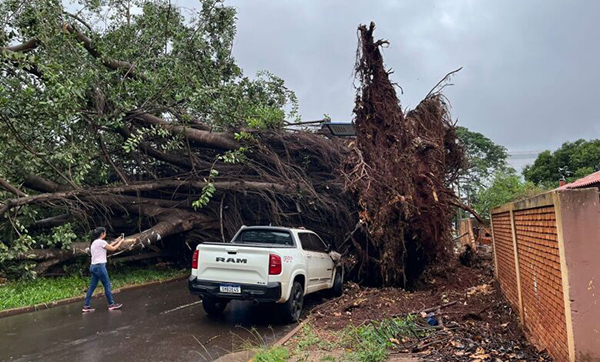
x: 99, y: 273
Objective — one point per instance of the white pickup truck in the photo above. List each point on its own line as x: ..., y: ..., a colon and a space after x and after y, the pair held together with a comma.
x: 264, y: 264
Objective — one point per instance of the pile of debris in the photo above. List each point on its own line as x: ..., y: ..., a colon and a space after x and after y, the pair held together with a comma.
x: 464, y: 314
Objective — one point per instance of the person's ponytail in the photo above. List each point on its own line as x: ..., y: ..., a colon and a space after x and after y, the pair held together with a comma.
x: 97, y: 232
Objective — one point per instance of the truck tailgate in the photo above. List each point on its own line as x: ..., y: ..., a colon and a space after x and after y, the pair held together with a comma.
x: 233, y: 263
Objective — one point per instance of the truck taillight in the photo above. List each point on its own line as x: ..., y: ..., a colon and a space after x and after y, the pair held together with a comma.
x: 274, y: 264
x: 195, y: 260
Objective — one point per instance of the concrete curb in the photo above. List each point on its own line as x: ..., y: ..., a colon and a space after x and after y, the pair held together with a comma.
x: 56, y: 303
x: 283, y: 340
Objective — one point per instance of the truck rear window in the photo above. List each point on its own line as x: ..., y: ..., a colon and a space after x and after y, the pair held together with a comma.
x: 264, y: 237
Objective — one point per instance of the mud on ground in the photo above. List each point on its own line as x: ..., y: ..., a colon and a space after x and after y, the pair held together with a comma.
x: 479, y: 326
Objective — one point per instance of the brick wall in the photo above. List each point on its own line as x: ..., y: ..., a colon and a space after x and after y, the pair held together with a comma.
x: 505, y: 257
x: 541, y: 279
x: 546, y: 252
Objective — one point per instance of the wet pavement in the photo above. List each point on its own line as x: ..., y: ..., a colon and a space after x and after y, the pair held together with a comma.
x: 157, y: 323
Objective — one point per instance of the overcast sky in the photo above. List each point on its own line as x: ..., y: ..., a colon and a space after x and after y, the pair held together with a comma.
x: 531, y: 68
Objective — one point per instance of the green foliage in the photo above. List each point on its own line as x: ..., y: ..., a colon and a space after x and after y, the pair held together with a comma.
x: 308, y: 338
x: 273, y: 354
x: 183, y: 54
x: 207, y: 191
x: 365, y: 343
x: 506, y: 186
x: 52, y: 125
x: 243, y: 136
x: 572, y: 160
x: 370, y: 342
x: 485, y: 158
x: 205, y: 197
x: 44, y: 290
x: 63, y: 236
x: 140, y: 135
x: 235, y: 156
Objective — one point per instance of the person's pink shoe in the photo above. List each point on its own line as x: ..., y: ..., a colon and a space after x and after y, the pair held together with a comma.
x: 115, y: 306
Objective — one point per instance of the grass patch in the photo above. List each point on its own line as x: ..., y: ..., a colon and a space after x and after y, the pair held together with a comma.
x: 45, y: 290
x: 308, y: 337
x: 371, y: 342
x: 273, y: 354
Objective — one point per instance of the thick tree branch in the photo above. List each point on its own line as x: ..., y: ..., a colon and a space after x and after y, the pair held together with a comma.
x: 159, y: 155
x: 23, y: 48
x: 142, y: 256
x: 171, y: 224
x: 41, y: 184
x: 7, y: 56
x: 203, y: 138
x: 149, y: 186
x: 469, y: 210
x: 127, y: 68
x: 166, y: 157
x: 8, y: 187
x: 79, y: 20
x: 51, y: 222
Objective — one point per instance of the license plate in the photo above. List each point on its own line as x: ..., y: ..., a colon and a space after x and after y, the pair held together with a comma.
x: 235, y: 289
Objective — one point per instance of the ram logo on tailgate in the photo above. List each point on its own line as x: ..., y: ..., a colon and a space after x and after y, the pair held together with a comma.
x: 232, y: 260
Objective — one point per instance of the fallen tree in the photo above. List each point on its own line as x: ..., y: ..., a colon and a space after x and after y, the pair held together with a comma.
x: 148, y: 127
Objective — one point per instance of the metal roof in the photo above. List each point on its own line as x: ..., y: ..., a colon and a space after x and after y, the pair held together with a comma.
x: 590, y: 180
x: 340, y: 129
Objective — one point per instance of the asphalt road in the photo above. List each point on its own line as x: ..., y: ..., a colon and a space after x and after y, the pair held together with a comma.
x: 157, y: 323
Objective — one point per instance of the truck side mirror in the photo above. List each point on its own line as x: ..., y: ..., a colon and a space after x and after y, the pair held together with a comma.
x: 328, y: 248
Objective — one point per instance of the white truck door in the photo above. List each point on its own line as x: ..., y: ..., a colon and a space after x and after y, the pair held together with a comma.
x: 312, y: 262
x: 325, y: 262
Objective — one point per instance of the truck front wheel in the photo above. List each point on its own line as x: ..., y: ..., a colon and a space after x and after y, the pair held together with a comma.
x: 338, y: 283
x: 292, y: 308
x: 214, y: 306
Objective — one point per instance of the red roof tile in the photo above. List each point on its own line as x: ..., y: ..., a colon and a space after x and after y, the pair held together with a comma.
x: 590, y: 180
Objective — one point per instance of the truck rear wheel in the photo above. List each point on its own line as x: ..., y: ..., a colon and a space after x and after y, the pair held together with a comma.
x: 292, y: 308
x: 214, y: 306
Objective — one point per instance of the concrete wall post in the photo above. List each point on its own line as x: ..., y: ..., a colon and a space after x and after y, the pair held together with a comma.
x: 494, y: 246
x: 578, y: 228
x: 517, y: 270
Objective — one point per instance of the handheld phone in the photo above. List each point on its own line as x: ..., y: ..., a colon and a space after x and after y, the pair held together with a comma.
x: 122, y: 235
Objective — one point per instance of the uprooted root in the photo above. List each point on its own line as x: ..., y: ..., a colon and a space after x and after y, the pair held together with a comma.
x: 399, y: 172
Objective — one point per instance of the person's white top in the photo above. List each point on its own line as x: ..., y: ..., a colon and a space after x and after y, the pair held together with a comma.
x: 98, y: 251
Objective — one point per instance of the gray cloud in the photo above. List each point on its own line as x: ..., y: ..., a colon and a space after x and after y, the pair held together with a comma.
x: 530, y: 67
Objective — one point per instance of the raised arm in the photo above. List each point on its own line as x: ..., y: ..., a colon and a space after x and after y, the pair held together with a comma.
x: 115, y: 244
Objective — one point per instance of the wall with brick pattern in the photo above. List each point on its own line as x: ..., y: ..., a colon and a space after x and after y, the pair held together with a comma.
x: 505, y: 257
x: 541, y: 279
x: 546, y: 252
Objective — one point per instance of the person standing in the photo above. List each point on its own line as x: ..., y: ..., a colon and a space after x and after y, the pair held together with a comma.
x: 98, y: 249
